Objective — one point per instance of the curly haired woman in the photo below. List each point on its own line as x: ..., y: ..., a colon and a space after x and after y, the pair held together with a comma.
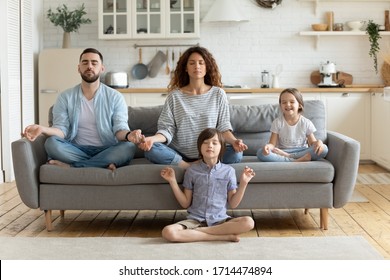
x: 195, y: 101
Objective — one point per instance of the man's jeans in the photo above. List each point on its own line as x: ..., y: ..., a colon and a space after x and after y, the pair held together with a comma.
x: 119, y: 154
x: 294, y: 154
x: 162, y: 154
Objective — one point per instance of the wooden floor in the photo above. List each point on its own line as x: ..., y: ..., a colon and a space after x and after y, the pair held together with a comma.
x: 368, y: 219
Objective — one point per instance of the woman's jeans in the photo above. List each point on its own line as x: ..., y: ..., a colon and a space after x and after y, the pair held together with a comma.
x: 119, y: 154
x: 294, y: 154
x: 162, y: 154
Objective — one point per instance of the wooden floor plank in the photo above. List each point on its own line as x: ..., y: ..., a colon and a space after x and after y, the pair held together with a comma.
x: 121, y: 224
x: 99, y: 225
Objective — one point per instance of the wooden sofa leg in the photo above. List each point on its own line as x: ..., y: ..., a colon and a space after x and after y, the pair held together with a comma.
x: 48, y: 220
x: 62, y: 213
x: 306, y: 211
x: 324, y: 218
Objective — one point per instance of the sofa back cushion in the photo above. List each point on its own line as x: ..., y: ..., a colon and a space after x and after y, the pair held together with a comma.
x: 250, y: 122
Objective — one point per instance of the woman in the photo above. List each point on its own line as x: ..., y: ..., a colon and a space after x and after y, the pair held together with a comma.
x: 196, y: 101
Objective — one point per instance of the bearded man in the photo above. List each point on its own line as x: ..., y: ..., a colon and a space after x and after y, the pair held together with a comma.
x: 90, y: 127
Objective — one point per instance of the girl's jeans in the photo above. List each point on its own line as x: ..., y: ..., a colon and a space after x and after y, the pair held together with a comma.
x: 294, y: 154
x: 119, y: 154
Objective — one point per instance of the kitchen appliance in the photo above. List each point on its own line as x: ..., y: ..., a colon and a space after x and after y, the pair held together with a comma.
x: 327, y: 70
x: 53, y: 79
x: 117, y: 79
x: 264, y: 79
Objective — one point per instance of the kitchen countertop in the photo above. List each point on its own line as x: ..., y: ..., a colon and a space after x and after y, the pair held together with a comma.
x: 352, y: 88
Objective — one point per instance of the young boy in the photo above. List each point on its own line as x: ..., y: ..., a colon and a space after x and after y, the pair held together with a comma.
x: 209, y: 187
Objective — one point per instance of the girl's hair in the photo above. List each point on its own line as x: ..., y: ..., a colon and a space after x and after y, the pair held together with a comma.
x: 181, y: 77
x: 297, y: 95
x: 210, y: 133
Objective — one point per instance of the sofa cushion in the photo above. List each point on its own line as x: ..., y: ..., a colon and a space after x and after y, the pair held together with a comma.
x: 143, y: 172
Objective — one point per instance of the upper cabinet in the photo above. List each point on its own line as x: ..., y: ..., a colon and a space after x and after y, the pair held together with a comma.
x: 148, y: 19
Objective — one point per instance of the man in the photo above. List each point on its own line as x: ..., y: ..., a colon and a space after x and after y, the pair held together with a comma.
x: 90, y: 126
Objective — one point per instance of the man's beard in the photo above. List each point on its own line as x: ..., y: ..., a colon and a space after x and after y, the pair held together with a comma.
x: 89, y: 79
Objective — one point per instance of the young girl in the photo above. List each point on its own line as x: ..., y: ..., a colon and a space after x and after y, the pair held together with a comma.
x: 209, y: 186
x: 292, y: 135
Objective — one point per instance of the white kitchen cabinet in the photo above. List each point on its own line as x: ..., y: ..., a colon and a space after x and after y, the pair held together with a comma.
x: 145, y: 99
x: 148, y: 19
x: 350, y: 114
x: 264, y: 98
x: 114, y: 19
x: 253, y: 99
x: 380, y: 130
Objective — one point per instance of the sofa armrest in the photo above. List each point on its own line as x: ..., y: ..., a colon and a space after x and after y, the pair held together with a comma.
x: 27, y: 159
x: 344, y: 154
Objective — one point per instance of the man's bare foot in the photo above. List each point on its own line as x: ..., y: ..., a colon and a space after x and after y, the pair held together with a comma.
x: 58, y: 163
x: 112, y: 167
x: 306, y: 157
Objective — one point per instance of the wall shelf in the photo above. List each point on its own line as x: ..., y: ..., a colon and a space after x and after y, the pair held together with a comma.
x: 324, y: 1
x: 318, y: 34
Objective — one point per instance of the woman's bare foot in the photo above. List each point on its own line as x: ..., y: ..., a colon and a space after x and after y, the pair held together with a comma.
x: 306, y: 157
x: 58, y: 163
x: 112, y: 167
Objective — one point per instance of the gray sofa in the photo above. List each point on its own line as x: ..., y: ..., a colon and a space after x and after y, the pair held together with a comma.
x: 322, y: 184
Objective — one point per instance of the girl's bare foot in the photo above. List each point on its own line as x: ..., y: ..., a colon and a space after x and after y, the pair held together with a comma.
x: 306, y: 157
x: 281, y: 152
x: 58, y: 163
x: 112, y: 167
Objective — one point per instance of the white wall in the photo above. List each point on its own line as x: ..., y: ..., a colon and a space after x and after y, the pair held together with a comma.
x: 243, y: 50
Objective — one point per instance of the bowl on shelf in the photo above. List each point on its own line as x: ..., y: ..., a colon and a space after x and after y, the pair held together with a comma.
x: 319, y: 26
x: 355, y: 25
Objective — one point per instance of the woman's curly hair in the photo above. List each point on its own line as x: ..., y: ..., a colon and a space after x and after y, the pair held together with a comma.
x: 181, y: 77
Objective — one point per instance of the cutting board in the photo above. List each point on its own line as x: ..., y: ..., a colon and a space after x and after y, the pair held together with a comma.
x: 316, y: 78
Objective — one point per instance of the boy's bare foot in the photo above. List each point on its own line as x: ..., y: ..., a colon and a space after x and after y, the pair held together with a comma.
x: 58, y: 163
x: 112, y: 167
x: 233, y: 238
x: 306, y: 157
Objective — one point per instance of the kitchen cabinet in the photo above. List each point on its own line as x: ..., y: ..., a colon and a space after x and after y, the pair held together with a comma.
x: 380, y: 130
x: 145, y: 99
x: 350, y: 114
x: 148, y: 19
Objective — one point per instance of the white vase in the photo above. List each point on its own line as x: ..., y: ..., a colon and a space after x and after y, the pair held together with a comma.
x: 66, y: 40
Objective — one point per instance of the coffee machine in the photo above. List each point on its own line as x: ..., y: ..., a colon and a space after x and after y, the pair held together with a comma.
x: 327, y: 71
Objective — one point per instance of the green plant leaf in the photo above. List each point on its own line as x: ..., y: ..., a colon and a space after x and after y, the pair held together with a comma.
x: 372, y: 30
x: 70, y: 21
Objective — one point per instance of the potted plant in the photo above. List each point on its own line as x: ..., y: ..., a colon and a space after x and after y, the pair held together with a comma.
x: 372, y: 30
x: 70, y: 21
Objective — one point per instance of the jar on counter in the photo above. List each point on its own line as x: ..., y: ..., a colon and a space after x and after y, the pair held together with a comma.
x: 338, y: 27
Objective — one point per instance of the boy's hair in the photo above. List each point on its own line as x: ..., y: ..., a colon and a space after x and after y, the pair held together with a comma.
x: 210, y: 133
x: 91, y: 50
x: 297, y: 95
